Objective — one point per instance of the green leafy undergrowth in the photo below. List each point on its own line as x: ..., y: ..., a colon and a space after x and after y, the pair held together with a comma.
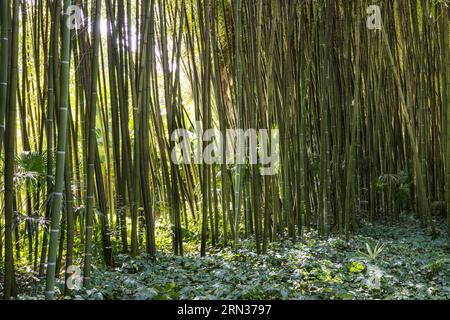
x: 409, y: 264
x: 412, y: 265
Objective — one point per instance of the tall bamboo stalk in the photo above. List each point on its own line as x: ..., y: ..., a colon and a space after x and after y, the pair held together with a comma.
x: 92, y: 140
x: 5, y: 7
x: 9, y: 280
x: 63, y: 111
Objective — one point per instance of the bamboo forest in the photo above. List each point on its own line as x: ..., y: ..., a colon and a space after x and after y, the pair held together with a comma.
x: 224, y: 150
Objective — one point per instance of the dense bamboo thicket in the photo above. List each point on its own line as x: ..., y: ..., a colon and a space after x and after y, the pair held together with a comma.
x: 87, y: 115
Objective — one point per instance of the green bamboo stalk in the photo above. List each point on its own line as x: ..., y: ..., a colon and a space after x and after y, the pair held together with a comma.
x: 445, y: 55
x: 92, y: 140
x: 239, y: 108
x: 60, y: 160
x: 49, y: 133
x: 9, y: 280
x: 5, y: 12
x: 69, y: 214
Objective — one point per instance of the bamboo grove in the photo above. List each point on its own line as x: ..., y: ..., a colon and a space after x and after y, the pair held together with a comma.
x: 86, y: 116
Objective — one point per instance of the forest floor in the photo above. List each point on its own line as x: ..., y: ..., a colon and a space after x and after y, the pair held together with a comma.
x: 410, y: 265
